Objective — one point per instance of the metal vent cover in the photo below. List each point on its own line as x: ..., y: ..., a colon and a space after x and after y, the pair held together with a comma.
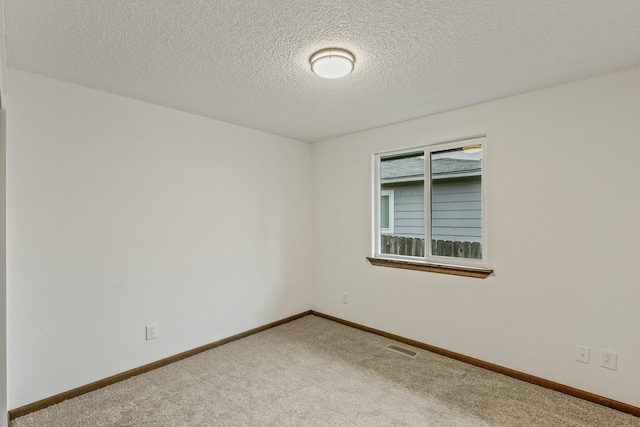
x: 401, y: 350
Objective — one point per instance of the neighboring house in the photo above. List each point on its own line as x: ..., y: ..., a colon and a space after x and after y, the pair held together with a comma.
x: 456, y: 198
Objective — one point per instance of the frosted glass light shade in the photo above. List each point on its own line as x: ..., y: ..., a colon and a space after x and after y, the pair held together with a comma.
x: 332, y: 63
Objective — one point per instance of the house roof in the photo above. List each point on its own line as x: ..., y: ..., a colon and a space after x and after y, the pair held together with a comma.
x: 412, y: 169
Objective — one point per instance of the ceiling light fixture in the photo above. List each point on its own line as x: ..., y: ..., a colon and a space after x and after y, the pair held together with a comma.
x: 332, y: 63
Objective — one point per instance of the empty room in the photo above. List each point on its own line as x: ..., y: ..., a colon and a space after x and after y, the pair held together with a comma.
x: 332, y: 213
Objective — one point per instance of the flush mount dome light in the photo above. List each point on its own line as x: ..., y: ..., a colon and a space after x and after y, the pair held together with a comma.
x: 332, y: 63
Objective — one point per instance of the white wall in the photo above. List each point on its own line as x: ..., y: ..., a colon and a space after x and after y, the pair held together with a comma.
x: 121, y: 214
x: 3, y: 273
x: 564, y: 232
x: 3, y: 269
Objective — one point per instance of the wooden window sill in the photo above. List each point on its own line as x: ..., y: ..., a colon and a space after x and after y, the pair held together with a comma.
x: 479, y: 273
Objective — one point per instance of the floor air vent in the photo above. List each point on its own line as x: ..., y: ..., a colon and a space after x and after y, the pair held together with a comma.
x: 404, y: 351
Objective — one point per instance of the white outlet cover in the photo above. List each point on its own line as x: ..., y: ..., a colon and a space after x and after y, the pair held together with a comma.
x: 151, y: 331
x: 582, y: 353
x: 609, y: 360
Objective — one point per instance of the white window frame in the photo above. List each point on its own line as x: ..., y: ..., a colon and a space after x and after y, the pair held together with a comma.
x: 428, y: 258
x: 390, y: 194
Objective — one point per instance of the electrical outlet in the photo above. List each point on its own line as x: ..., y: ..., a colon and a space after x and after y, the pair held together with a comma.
x: 152, y: 331
x: 582, y: 353
x: 609, y: 359
x: 345, y: 299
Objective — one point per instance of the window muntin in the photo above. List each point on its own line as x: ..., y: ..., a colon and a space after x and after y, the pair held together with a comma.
x: 453, y: 198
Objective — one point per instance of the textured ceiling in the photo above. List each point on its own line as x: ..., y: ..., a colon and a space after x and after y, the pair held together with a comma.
x: 246, y: 61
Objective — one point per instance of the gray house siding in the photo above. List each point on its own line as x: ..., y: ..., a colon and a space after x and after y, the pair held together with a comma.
x: 456, y: 207
x: 408, y: 208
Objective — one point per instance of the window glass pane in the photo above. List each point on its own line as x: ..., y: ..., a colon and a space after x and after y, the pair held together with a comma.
x: 456, y: 202
x: 384, y: 212
x: 402, y: 178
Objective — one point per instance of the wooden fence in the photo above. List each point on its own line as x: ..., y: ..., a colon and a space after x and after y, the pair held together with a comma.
x: 397, y: 245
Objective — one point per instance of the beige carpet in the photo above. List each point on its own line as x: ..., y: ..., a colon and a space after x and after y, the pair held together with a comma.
x: 314, y: 372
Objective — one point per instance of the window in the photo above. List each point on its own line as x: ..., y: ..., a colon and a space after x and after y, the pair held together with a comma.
x: 440, y: 219
x: 387, y: 211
